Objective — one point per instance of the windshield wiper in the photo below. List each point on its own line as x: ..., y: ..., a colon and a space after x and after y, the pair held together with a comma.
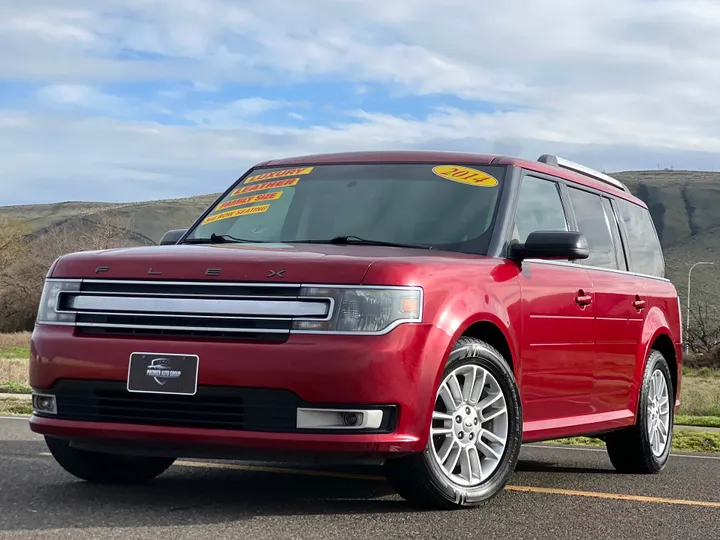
x: 348, y: 240
x: 220, y: 239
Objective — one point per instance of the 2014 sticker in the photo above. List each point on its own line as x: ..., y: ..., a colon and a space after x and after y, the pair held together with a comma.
x: 278, y: 174
x: 236, y: 213
x: 266, y: 185
x: 272, y: 196
x: 465, y: 175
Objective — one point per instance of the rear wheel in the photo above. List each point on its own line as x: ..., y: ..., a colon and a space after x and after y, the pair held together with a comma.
x: 474, y: 436
x: 106, y: 468
x: 645, y: 447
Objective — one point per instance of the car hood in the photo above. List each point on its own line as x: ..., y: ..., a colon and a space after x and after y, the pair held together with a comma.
x: 278, y: 263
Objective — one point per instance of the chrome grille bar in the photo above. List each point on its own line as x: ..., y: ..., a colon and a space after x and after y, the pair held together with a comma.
x: 262, y: 308
x: 192, y: 309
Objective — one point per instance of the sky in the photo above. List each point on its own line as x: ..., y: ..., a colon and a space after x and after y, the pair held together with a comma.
x: 146, y: 99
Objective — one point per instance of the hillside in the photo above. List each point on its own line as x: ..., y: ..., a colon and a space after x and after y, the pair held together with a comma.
x: 685, y: 206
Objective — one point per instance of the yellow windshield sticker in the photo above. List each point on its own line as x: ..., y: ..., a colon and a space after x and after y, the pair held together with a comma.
x: 277, y: 174
x: 465, y: 175
x: 262, y: 197
x: 267, y: 185
x: 236, y: 213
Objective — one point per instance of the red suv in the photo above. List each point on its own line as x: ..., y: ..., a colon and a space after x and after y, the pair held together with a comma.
x: 428, y: 311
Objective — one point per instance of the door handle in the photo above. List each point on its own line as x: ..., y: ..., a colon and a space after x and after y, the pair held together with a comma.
x: 583, y: 299
x: 639, y: 304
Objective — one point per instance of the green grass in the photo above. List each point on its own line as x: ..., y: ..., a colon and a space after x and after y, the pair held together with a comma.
x: 702, y: 421
x: 13, y: 406
x: 14, y: 388
x: 15, y: 352
x: 684, y: 440
x: 705, y: 373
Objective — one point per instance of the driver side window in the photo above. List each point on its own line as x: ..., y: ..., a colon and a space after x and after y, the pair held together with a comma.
x: 539, y: 208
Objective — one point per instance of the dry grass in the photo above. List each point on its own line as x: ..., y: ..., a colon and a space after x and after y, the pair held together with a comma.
x: 17, y: 340
x: 700, y: 396
x: 13, y: 375
x: 11, y: 406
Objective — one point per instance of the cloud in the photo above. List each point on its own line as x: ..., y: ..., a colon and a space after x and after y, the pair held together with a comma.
x: 78, y: 95
x: 227, y: 115
x: 166, y: 94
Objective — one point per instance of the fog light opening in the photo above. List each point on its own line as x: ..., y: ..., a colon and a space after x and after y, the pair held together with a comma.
x: 339, y: 419
x: 43, y: 403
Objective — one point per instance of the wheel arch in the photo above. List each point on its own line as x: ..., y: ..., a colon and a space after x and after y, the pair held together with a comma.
x: 663, y: 343
x: 491, y: 333
x: 656, y: 335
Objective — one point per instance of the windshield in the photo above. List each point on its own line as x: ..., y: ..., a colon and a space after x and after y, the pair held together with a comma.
x: 448, y: 207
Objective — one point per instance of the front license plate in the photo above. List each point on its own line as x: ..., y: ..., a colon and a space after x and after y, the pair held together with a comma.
x: 154, y: 373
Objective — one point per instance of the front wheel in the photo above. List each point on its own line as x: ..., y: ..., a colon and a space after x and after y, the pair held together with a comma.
x: 645, y: 447
x: 474, y: 436
x: 106, y: 468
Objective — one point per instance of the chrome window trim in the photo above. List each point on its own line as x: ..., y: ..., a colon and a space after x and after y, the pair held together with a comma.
x: 598, y: 268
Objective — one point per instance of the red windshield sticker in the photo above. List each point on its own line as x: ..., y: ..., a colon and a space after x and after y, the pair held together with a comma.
x: 262, y: 197
x: 277, y: 174
x: 267, y: 185
x: 236, y: 213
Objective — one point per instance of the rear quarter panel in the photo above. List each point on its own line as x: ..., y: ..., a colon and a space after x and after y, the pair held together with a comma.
x: 663, y: 318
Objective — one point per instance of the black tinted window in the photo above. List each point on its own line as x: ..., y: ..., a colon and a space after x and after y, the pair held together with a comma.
x: 450, y: 207
x: 539, y: 208
x: 594, y: 224
x: 644, y: 249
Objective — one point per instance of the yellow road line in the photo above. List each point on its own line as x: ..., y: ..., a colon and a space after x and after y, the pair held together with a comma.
x: 613, y: 496
x: 525, y: 489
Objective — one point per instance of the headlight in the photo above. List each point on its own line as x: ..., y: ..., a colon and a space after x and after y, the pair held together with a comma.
x: 364, y: 310
x: 49, y: 310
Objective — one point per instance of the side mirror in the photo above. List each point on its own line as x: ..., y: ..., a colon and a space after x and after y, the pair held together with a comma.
x: 563, y: 245
x: 172, y: 237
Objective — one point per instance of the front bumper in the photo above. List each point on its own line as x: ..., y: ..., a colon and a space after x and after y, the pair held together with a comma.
x: 396, y: 372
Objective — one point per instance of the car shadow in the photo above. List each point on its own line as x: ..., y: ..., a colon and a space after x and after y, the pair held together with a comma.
x: 194, y: 494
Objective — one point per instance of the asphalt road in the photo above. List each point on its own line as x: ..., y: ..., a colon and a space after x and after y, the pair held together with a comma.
x: 556, y: 493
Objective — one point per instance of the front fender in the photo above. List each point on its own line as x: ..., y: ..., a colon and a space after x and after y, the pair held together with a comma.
x: 459, y: 313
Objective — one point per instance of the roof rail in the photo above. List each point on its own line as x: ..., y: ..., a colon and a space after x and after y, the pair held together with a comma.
x: 555, y: 161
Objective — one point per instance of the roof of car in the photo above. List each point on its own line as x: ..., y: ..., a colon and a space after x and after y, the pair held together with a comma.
x: 447, y: 157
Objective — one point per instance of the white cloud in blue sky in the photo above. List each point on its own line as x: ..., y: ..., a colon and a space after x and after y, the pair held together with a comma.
x: 145, y: 99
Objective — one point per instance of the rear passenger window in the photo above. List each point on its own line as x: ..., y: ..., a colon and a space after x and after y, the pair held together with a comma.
x: 539, y: 208
x: 644, y: 250
x: 594, y: 224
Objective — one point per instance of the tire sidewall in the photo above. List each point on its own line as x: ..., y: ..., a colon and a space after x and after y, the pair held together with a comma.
x: 656, y: 361
x: 477, y: 353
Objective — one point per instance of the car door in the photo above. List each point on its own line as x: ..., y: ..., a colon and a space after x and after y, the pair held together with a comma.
x: 619, y: 307
x: 557, y: 346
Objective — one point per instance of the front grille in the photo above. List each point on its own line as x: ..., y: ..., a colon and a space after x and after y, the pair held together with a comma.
x: 212, y: 407
x: 190, y: 309
x: 246, y: 409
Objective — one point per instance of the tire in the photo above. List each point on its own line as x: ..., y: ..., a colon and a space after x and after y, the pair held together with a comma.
x: 631, y: 449
x: 421, y: 480
x: 106, y: 468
